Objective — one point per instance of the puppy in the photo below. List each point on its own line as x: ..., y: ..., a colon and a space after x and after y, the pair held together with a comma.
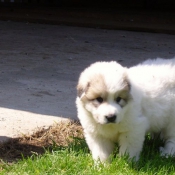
x: 120, y: 105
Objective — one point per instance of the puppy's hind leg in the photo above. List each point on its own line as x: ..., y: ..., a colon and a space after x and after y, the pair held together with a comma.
x: 169, y: 137
x: 168, y: 149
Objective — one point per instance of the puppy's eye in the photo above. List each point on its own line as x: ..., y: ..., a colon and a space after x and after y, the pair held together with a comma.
x: 118, y: 99
x: 99, y: 99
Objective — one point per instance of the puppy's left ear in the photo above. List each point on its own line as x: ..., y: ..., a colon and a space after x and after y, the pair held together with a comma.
x: 126, y: 83
x: 125, y: 89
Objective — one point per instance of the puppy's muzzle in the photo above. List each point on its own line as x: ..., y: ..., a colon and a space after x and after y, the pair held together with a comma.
x: 111, y: 118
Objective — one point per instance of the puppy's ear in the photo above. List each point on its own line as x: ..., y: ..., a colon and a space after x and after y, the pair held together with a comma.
x: 81, y: 90
x: 126, y: 89
x: 126, y: 83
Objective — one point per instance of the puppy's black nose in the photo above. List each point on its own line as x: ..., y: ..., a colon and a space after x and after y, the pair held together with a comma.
x: 111, y: 118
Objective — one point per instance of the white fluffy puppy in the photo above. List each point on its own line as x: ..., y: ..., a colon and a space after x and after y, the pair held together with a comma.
x: 116, y: 104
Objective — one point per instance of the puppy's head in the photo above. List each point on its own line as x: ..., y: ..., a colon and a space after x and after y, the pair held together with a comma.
x: 103, y: 90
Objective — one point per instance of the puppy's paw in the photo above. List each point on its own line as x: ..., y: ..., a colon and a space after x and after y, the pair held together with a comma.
x: 163, y: 152
x: 166, y: 152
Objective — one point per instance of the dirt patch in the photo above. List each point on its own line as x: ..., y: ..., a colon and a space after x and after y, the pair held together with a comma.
x: 60, y: 134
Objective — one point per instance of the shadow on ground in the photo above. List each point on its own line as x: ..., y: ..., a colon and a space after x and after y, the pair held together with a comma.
x: 61, y: 134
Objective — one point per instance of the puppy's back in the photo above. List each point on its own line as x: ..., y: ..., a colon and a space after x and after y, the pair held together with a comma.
x: 158, y: 74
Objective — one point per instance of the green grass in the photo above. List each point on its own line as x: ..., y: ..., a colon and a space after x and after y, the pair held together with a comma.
x: 75, y: 159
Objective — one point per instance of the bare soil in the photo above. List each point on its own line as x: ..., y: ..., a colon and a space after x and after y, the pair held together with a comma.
x: 60, y: 134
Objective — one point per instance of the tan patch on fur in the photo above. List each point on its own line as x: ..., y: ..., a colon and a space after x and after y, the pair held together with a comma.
x: 97, y: 88
x: 93, y: 89
x: 124, y: 94
x: 81, y: 89
x: 126, y: 85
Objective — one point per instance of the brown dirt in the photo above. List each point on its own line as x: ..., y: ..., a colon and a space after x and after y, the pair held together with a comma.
x: 60, y: 134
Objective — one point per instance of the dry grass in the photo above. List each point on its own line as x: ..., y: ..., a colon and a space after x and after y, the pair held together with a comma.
x: 60, y: 134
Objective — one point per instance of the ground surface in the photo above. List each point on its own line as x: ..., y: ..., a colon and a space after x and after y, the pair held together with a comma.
x: 40, y: 65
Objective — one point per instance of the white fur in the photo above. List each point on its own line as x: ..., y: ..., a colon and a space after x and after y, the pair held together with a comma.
x: 150, y: 106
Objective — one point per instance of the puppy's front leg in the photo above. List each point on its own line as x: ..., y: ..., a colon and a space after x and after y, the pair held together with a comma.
x: 100, y: 147
x: 131, y: 144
